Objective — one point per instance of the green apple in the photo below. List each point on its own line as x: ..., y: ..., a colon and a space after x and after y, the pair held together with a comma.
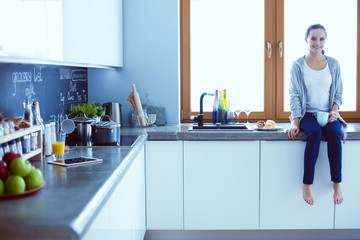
x: 2, y: 186
x: 34, y: 179
x: 20, y: 167
x: 14, y: 184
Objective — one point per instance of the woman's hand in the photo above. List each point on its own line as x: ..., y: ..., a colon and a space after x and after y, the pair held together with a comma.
x: 333, y: 116
x: 292, y: 132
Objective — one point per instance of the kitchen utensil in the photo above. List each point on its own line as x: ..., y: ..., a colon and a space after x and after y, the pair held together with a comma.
x: 105, y: 132
x: 82, y: 128
x: 134, y: 119
x: 67, y: 126
x: 131, y: 100
x: 139, y: 108
x: 113, y: 110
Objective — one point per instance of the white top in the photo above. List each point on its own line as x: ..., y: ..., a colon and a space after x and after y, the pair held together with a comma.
x: 317, y: 85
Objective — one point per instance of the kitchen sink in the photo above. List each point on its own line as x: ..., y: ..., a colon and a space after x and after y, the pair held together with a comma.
x: 217, y: 127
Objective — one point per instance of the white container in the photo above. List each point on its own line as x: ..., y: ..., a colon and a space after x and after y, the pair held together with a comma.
x: 53, y: 132
x: 34, y: 141
x: 47, y: 141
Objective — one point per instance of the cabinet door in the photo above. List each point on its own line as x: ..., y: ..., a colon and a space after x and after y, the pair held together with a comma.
x: 77, y: 32
x: 347, y: 215
x: 116, y: 219
x: 281, y: 202
x: 24, y: 30
x: 221, y: 185
x: 123, y: 215
x: 95, y: 36
x: 139, y: 195
x: 164, y: 185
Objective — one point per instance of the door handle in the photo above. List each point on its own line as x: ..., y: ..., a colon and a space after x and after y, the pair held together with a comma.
x: 281, y: 48
x: 268, y: 45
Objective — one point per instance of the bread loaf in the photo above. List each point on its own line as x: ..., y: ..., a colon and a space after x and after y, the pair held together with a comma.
x: 260, y: 124
x: 270, y: 124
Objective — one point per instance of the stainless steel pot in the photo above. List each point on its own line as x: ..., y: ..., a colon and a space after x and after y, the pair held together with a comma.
x: 82, y: 132
x: 105, y: 132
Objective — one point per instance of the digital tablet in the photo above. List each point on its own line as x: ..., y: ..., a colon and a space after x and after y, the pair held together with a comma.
x: 76, y: 161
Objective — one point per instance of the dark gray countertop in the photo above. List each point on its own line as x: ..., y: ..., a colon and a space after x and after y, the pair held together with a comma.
x: 64, y: 208
x: 59, y: 211
x: 181, y: 132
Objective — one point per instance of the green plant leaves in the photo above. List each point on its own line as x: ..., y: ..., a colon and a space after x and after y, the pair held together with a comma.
x: 91, y: 110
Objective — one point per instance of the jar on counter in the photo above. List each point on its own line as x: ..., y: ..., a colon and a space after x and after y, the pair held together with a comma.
x: 53, y: 132
x: 6, y: 128
x: 11, y: 125
x: 34, y: 141
x: 19, y: 146
x: 36, y: 113
x: 1, y: 130
x: 26, y: 144
x: 5, y: 147
x: 12, y: 146
x: 1, y: 153
x: 28, y: 114
x: 47, y: 141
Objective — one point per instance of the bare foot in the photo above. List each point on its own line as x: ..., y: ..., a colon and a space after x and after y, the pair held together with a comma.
x: 338, y: 196
x: 307, y: 194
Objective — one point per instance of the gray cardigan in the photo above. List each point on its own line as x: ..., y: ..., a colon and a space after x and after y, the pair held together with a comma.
x: 297, y: 90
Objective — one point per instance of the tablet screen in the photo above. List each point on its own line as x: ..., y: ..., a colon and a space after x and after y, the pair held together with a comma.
x: 76, y: 161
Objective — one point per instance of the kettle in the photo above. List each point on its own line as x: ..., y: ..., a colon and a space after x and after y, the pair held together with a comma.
x: 113, y: 110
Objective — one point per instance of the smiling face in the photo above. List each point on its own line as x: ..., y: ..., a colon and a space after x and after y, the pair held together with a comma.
x: 316, y: 40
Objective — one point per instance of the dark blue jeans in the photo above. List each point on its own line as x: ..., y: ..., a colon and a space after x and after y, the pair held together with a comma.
x: 314, y: 133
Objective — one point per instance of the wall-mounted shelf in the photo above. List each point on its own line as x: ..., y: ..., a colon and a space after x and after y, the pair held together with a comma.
x: 34, y: 155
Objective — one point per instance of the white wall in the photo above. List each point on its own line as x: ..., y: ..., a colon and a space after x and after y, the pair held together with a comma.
x: 151, y: 59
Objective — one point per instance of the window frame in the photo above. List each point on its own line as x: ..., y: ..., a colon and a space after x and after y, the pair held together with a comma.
x: 273, y: 67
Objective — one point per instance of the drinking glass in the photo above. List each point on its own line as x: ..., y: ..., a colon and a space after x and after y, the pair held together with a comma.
x: 247, y: 112
x: 58, y: 147
x: 238, y: 112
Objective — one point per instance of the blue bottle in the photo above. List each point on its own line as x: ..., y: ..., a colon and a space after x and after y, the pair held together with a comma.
x: 215, y: 106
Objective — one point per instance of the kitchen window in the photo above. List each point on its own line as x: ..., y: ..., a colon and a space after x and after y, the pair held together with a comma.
x: 248, y: 47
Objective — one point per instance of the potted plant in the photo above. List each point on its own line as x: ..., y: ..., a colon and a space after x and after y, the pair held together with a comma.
x: 91, y: 110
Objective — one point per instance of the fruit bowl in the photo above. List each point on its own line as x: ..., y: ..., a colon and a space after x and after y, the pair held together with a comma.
x: 20, y: 195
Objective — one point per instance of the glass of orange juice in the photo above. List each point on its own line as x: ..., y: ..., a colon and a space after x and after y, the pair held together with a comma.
x: 58, y: 147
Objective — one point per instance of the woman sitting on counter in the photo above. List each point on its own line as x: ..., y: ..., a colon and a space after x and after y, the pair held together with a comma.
x: 316, y: 86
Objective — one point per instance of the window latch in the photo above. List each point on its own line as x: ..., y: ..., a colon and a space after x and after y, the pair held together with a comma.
x: 280, y: 49
x: 268, y: 45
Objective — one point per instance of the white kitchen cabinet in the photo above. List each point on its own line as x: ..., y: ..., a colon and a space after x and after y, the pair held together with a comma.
x: 93, y: 32
x: 281, y: 202
x: 221, y: 185
x: 347, y: 215
x: 123, y: 215
x: 77, y: 32
x: 138, y: 186
x: 24, y: 28
x: 164, y: 185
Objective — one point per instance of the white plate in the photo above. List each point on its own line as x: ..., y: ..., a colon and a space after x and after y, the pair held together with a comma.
x: 267, y: 129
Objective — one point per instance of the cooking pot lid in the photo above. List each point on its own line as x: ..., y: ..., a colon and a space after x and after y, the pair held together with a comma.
x: 83, y: 119
x: 106, y: 124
